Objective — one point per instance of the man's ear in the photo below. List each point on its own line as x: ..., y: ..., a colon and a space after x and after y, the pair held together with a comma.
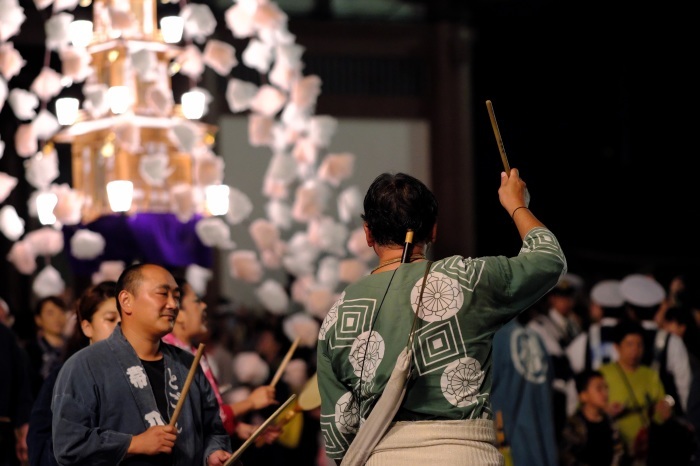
x: 125, y: 301
x: 368, y: 235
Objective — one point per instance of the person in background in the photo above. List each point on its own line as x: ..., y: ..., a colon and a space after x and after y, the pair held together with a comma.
x: 590, y: 437
x: 445, y: 415
x: 190, y: 326
x: 113, y: 401
x: 557, y: 327
x: 97, y: 317
x: 46, y: 350
x: 522, y: 393
x: 6, y: 317
x: 595, y: 346
x: 637, y: 396
x: 15, y: 399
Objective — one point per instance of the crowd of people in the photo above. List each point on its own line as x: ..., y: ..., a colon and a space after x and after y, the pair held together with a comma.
x: 487, y: 360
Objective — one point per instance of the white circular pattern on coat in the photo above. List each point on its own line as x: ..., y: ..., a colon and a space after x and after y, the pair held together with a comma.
x: 330, y: 318
x: 442, y: 297
x: 528, y: 355
x: 347, y: 414
x: 367, y: 350
x: 461, y: 381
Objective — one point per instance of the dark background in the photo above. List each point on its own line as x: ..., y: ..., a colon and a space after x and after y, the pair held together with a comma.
x: 595, y: 101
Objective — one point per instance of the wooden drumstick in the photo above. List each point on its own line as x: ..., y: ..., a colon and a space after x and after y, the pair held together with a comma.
x: 499, y: 141
x: 285, y: 361
x: 258, y: 431
x: 188, y: 382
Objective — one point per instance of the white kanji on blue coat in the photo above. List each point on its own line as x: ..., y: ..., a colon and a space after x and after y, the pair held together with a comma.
x: 137, y: 376
x: 154, y: 419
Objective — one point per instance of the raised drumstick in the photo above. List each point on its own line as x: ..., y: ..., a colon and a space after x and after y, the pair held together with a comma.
x: 499, y: 141
x: 285, y: 361
x: 188, y: 382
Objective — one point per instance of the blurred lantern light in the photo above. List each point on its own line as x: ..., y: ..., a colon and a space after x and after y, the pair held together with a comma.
x: 217, y: 199
x: 193, y: 104
x: 45, y: 203
x: 119, y: 99
x: 80, y: 33
x: 171, y: 28
x: 67, y: 110
x: 120, y: 193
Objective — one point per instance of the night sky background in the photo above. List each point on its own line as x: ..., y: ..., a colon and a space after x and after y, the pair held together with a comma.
x: 597, y: 107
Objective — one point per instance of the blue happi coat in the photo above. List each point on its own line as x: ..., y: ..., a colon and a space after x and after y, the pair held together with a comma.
x: 102, y: 398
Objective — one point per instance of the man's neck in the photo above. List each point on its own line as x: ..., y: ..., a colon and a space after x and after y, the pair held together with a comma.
x: 147, y: 347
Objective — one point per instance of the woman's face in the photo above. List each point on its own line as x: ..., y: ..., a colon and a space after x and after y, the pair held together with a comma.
x: 51, y: 319
x: 103, y: 321
x: 630, y: 350
x: 192, y: 315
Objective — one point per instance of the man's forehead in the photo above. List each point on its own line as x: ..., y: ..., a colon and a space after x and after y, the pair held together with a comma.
x: 157, y: 276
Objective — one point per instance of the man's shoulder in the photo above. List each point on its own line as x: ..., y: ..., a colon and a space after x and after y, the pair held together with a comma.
x: 177, y: 353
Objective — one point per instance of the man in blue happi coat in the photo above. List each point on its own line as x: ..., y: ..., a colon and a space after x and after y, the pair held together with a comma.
x: 113, y: 400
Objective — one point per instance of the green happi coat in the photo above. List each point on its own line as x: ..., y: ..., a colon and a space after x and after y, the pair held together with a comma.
x: 466, y: 300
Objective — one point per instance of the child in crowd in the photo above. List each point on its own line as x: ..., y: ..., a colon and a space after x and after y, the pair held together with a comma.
x: 589, y: 436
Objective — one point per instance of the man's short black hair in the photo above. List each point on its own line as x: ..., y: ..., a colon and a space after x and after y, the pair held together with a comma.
x: 129, y: 281
x: 627, y: 327
x: 582, y: 379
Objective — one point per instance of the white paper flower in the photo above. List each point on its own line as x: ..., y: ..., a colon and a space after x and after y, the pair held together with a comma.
x: 86, y: 244
x: 60, y: 5
x: 305, y: 91
x: 239, y: 20
x: 191, y: 62
x: 48, y: 282
x: 258, y: 56
x: 69, y: 205
x: 75, y: 63
x: 42, y: 4
x: 121, y: 19
x: 25, y: 140
x: 47, y: 84
x: 199, y: 21
x: 56, y: 29
x: 7, y: 184
x: 11, y: 224
x: 350, y: 204
x: 45, y: 241
x: 273, y: 297
x: 11, y: 18
x: 279, y: 213
x: 240, y: 206
x: 2, y: 146
x: 108, y: 271
x: 41, y: 169
x: 3, y: 93
x: 269, y: 16
x: 23, y: 257
x: 301, y: 288
x: 319, y: 302
x: 283, y: 76
x: 260, y: 130
x: 351, y: 270
x: 357, y: 245
x: 296, y: 374
x: 310, y: 201
x: 128, y: 136
x: 220, y: 56
x: 11, y: 62
x: 45, y: 125
x: 328, y: 235
x: 264, y: 233
x: 302, y: 326
x: 198, y: 276
x: 305, y: 151
x: 250, y: 368
x: 272, y: 258
x: 185, y: 135
x: 209, y: 169
x: 321, y: 130
x: 328, y: 274
x: 302, y: 255
x: 336, y: 167
x: 268, y: 101
x: 155, y: 168
x: 213, y: 232
x: 145, y: 63
x: 239, y: 94
x: 159, y: 99
x: 95, y: 102
x: 182, y: 201
x: 295, y: 117
x: 245, y: 266
x: 23, y: 103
